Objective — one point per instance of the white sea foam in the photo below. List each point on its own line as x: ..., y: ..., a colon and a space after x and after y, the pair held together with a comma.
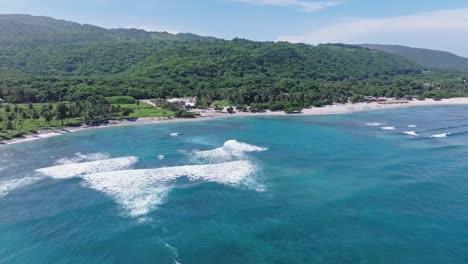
x: 231, y: 149
x: 79, y: 157
x: 174, y: 252
x: 374, y: 124
x: 141, y: 191
x: 412, y: 126
x: 10, y: 185
x: 174, y: 134
x: 388, y: 128
x: 411, y: 133
x: 75, y: 169
x: 161, y: 157
x: 443, y: 135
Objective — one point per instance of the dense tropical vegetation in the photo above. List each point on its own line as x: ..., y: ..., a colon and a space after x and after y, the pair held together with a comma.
x: 429, y: 58
x: 90, y: 72
x: 20, y: 119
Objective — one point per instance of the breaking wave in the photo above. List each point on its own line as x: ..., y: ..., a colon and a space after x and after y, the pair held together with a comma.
x: 388, y: 128
x: 374, y: 124
x: 141, y: 191
x: 411, y: 133
x: 443, y: 135
x: 75, y: 169
x: 79, y: 157
x: 231, y: 149
x: 9, y: 185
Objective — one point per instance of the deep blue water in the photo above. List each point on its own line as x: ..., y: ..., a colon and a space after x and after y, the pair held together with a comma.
x: 326, y: 189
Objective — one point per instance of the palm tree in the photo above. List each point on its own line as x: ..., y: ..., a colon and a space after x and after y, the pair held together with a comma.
x: 10, y: 125
x: 35, y: 116
x: 138, y: 106
x: 47, y: 113
x: 61, y: 112
x: 48, y: 116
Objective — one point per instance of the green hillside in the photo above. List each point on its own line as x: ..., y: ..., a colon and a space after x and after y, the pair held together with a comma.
x: 43, y: 59
x: 426, y: 57
x: 36, y: 31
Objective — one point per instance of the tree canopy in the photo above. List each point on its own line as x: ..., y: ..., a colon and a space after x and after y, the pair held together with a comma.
x: 48, y: 60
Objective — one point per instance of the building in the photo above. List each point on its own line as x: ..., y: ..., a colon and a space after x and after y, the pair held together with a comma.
x: 371, y: 99
x: 186, y: 103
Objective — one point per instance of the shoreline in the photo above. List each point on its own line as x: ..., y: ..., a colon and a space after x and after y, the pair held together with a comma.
x: 336, y: 109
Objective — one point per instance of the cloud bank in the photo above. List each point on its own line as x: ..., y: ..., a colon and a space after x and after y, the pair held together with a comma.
x: 445, y: 29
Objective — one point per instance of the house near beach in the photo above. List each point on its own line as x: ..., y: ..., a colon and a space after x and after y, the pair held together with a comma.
x: 371, y: 99
x: 186, y: 103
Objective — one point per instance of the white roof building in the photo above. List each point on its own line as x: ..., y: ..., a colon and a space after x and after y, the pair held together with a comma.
x: 188, y: 101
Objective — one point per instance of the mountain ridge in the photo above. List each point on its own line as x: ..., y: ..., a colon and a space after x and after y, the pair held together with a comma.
x: 427, y: 57
x: 31, y: 30
x: 43, y: 59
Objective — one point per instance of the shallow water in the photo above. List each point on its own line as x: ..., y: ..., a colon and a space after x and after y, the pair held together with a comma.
x: 325, y: 189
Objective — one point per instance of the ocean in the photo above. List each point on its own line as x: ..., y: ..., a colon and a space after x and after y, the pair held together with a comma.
x: 376, y: 187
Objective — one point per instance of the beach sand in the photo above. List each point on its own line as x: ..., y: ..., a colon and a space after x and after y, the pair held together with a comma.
x: 211, y: 114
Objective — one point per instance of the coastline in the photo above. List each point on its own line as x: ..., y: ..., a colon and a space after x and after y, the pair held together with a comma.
x: 211, y: 114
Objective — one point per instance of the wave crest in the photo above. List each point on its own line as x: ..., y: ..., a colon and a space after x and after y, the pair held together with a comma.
x: 79, y: 157
x: 411, y: 133
x: 141, y: 191
x: 443, y: 135
x: 75, y: 169
x: 374, y: 124
x: 231, y: 149
x: 10, y: 185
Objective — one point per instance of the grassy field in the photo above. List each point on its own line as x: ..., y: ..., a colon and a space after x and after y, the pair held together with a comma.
x: 23, y: 124
x: 145, y: 110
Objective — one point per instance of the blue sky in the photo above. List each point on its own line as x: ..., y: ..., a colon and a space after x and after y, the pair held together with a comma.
x: 428, y: 24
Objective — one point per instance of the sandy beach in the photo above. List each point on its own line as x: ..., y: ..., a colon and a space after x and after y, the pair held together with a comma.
x: 211, y: 114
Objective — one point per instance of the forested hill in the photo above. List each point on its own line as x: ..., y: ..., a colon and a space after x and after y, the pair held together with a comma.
x: 43, y: 59
x: 27, y: 30
x: 426, y: 57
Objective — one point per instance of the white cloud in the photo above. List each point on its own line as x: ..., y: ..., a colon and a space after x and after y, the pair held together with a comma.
x: 303, y: 5
x: 446, y: 30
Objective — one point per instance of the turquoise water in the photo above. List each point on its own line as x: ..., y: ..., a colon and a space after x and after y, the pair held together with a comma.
x: 327, y: 189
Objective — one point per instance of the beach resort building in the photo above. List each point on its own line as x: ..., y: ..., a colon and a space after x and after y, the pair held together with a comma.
x: 371, y: 99
x: 186, y: 103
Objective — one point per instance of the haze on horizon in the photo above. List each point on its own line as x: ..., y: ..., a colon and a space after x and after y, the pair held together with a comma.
x: 439, y: 25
